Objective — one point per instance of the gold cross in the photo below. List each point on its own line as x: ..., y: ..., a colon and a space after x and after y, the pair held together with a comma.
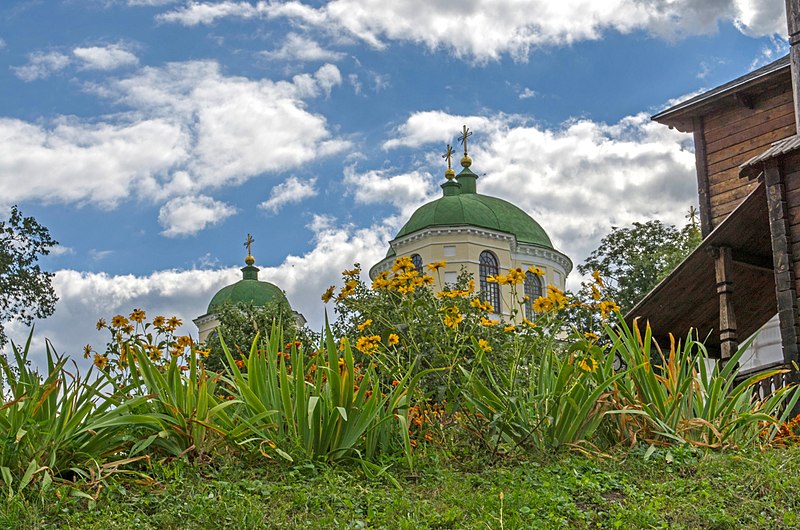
x: 447, y: 154
x: 691, y: 215
x: 248, y: 243
x: 466, y: 133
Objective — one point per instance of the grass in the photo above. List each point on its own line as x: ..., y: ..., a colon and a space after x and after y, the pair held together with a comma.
x: 677, y: 488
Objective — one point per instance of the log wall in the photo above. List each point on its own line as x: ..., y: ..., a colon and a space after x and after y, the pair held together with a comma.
x: 733, y: 135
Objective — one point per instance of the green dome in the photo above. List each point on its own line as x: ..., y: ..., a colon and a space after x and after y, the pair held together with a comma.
x: 461, y: 205
x: 249, y: 289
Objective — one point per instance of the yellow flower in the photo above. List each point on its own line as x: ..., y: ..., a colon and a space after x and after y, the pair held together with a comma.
x: 516, y: 276
x: 484, y: 345
x: 403, y: 264
x: 541, y: 304
x: 159, y: 321
x: 471, y: 286
x: 127, y: 328
x: 487, y: 322
x: 118, y: 321
x: 436, y: 265
x: 595, y: 292
x: 591, y: 336
x: 204, y: 353
x: 100, y: 361
x: 137, y: 315
x: 173, y: 323
x: 393, y: 339
x: 365, y: 324
x: 368, y: 345
x: 606, y: 307
x: 342, y: 343
x: 476, y: 303
x: 352, y: 273
x: 509, y: 328
x: 87, y: 350
x: 101, y: 324
x: 536, y: 270
x: 597, y: 278
x: 528, y: 323
x: 588, y: 364
x: 326, y: 296
x: 452, y: 321
x: 184, y: 341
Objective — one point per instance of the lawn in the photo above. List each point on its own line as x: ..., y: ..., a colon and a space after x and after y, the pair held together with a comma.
x: 676, y: 488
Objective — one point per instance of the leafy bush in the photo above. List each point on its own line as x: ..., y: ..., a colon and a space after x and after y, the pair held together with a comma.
x: 684, y: 401
x: 325, y: 406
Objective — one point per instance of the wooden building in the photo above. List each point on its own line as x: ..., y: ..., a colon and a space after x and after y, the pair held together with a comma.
x: 747, y: 268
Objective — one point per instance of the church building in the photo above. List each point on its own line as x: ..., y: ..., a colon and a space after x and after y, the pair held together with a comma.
x: 481, y: 234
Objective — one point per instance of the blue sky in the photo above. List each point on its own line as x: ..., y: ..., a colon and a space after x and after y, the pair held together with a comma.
x: 151, y: 136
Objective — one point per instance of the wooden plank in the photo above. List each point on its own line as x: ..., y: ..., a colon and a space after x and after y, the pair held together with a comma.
x: 734, y: 136
x: 701, y: 164
x: 775, y: 96
x: 718, y: 189
x: 739, y: 118
x: 757, y: 142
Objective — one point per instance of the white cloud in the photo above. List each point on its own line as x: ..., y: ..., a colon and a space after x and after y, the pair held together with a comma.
x: 300, y: 48
x: 60, y: 250
x: 488, y: 29
x: 194, y: 13
x: 527, y: 93
x: 150, y: 2
x: 186, y: 128
x: 290, y: 191
x: 405, y: 191
x: 577, y: 180
x: 41, y: 65
x: 2, y: 43
x: 185, y: 216
x: 105, y: 57
x: 69, y: 160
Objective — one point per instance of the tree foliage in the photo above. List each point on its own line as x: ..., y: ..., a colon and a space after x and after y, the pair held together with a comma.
x: 633, y: 260
x: 26, y: 291
x: 239, y: 323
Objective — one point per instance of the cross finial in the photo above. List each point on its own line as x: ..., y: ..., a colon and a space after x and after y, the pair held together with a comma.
x: 691, y: 216
x: 448, y: 154
x: 466, y: 133
x: 449, y: 173
x: 248, y: 243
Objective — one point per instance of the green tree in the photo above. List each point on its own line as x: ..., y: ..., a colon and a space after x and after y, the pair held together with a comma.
x: 633, y: 260
x: 26, y: 291
x: 239, y: 323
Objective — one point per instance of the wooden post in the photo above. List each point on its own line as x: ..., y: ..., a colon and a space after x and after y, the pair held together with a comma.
x: 728, y: 341
x: 701, y: 164
x: 785, y: 289
x: 793, y: 25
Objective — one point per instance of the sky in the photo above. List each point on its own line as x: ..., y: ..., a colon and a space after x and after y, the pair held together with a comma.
x: 151, y: 136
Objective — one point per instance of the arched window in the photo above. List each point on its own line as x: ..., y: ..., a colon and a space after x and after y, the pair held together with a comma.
x: 490, y: 292
x: 416, y: 259
x: 533, y: 290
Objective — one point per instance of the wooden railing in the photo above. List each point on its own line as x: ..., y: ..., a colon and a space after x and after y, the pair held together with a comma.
x: 767, y: 386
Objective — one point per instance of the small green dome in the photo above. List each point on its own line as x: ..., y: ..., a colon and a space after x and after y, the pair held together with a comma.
x: 462, y: 205
x: 249, y: 289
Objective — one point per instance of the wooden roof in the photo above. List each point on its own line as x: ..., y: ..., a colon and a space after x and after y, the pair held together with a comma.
x: 687, y: 298
x: 680, y: 115
x: 753, y: 167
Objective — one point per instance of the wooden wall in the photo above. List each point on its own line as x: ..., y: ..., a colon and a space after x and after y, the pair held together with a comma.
x: 734, y: 134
